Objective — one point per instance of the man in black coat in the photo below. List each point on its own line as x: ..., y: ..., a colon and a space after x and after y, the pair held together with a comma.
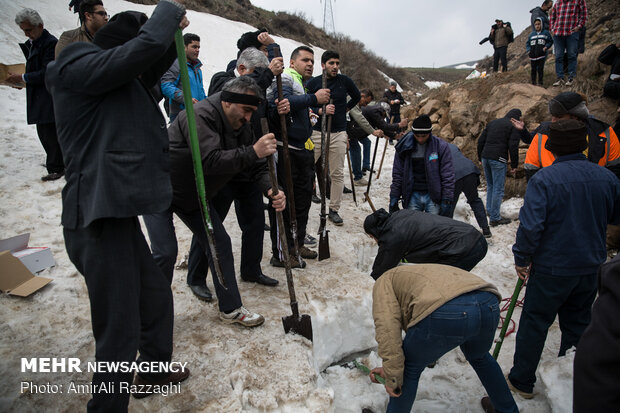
x: 419, y: 237
x: 395, y: 99
x: 499, y: 140
x: 114, y: 139
x: 39, y: 51
x: 228, y: 149
x: 597, y: 361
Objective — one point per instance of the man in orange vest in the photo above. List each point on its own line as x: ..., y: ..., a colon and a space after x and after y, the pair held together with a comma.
x: 603, y: 145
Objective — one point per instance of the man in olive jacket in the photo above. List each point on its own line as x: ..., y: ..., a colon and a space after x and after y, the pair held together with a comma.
x: 114, y: 139
x: 407, y: 298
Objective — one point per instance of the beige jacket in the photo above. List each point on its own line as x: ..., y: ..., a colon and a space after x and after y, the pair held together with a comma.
x: 404, y: 296
x: 71, y: 36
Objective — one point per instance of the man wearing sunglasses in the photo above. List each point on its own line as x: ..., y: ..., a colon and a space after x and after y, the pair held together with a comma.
x: 93, y: 16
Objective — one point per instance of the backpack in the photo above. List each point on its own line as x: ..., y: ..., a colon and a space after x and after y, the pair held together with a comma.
x: 511, y: 37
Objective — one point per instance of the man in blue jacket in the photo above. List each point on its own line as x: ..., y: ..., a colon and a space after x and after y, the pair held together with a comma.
x: 423, y: 173
x: 560, y: 244
x: 171, y: 86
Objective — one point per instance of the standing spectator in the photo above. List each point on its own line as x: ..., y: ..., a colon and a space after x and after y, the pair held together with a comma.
x: 611, y: 56
x: 418, y: 237
x: 423, y: 173
x: 542, y: 13
x: 340, y: 87
x: 567, y: 18
x: 93, y: 16
x: 501, y: 35
x: 537, y: 44
x: 500, y: 138
x: 596, y: 378
x: 171, y: 86
x: 114, y: 139
x: 395, y: 99
x: 559, y: 245
x: 431, y: 302
x: 39, y: 52
x: 358, y: 129
x: 467, y: 176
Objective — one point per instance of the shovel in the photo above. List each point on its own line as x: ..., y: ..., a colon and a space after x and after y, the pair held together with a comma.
x: 325, y: 128
x: 297, y: 323
x: 196, y: 157
x: 372, y: 168
x: 384, y: 151
x: 351, y: 176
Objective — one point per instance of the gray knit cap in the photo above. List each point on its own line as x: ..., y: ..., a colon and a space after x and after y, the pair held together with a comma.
x: 568, y: 103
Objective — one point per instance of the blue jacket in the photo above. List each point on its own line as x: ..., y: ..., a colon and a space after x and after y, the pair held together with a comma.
x: 463, y: 166
x: 172, y: 89
x: 563, y: 221
x: 439, y: 170
x: 298, y: 126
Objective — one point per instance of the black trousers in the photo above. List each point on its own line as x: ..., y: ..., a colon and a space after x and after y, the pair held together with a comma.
x: 49, y: 140
x: 302, y: 175
x: 538, y: 68
x: 250, y: 213
x: 500, y: 54
x: 130, y: 300
x: 469, y: 186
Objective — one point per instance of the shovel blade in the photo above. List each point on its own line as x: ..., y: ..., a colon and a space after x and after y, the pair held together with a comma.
x: 324, y: 246
x: 301, y: 325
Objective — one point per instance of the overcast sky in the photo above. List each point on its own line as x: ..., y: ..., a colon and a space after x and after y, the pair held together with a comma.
x: 414, y: 33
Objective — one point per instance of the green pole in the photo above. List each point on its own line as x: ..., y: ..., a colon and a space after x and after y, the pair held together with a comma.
x: 195, y: 149
x: 511, y: 307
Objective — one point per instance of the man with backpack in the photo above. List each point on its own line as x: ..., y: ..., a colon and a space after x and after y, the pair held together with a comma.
x: 501, y: 35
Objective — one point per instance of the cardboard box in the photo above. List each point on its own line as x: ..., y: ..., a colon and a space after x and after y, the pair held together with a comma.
x: 19, y: 263
x: 18, y: 69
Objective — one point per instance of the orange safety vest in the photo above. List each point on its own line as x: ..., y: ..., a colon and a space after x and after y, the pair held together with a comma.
x: 539, y: 157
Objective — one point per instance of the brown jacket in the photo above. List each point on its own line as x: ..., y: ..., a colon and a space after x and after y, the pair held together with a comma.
x: 71, y: 36
x: 404, y: 296
x: 501, y: 36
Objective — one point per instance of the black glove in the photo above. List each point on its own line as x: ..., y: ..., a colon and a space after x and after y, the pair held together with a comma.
x: 445, y: 208
x: 394, y: 208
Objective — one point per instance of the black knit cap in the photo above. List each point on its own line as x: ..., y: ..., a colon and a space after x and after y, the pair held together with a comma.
x: 249, y: 39
x: 568, y: 103
x: 422, y: 124
x: 374, y: 222
x: 121, y: 28
x: 566, y: 137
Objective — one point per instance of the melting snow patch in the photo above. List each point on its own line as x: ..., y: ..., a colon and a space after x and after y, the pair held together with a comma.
x: 433, y: 84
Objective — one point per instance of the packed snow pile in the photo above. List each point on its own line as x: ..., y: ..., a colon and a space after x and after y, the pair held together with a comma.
x: 233, y: 369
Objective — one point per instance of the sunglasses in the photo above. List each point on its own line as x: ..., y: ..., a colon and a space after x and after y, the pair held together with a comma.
x: 101, y: 13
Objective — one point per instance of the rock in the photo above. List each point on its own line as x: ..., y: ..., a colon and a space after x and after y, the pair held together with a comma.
x: 435, y: 117
x: 461, y: 119
x: 446, y: 133
x: 430, y: 107
x: 508, y: 96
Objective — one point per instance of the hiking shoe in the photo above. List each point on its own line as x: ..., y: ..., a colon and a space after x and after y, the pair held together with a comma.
x: 294, y: 262
x: 569, y: 82
x: 364, y: 170
x: 316, y: 199
x: 524, y: 394
x: 487, y: 406
x: 334, y: 217
x: 360, y: 182
x: 559, y: 82
x: 346, y: 190
x: 307, y: 253
x: 502, y: 221
x: 146, y: 386
x: 309, y: 240
x: 486, y: 232
x: 242, y: 316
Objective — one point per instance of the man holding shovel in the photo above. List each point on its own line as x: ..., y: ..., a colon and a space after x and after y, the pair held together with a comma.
x: 299, y: 130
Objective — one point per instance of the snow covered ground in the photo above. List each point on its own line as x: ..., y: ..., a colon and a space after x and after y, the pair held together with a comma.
x: 233, y: 369
x: 434, y: 84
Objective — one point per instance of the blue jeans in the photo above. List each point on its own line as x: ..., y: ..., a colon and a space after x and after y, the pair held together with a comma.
x: 568, y: 44
x: 365, y: 141
x: 568, y: 297
x: 468, y: 321
x: 356, y: 156
x: 421, y: 201
x: 495, y: 174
